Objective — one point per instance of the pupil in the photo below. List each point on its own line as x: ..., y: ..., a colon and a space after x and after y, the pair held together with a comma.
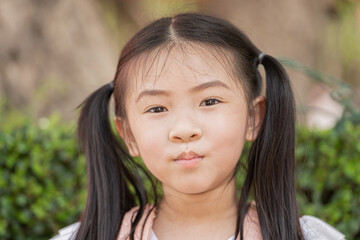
x: 211, y: 101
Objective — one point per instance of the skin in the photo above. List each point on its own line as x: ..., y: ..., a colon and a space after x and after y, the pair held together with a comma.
x: 202, y: 109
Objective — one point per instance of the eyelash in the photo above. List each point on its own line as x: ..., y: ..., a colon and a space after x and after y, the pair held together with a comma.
x: 152, y: 110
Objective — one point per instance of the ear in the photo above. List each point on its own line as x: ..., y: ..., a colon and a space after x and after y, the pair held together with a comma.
x: 256, y: 119
x: 123, y: 131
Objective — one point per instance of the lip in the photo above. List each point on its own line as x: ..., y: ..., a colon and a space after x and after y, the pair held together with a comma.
x: 188, y: 159
x: 187, y: 155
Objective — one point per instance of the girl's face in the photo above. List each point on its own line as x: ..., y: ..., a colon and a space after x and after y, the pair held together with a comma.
x: 188, y: 119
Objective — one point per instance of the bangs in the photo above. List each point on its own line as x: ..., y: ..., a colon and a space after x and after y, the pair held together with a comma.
x: 150, y: 65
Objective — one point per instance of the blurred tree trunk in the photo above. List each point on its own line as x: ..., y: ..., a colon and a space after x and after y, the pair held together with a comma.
x: 53, y: 54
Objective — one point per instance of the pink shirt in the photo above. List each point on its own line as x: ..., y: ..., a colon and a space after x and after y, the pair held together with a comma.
x: 251, y: 225
x: 312, y: 227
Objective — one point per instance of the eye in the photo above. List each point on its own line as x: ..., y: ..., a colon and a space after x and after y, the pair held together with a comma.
x: 210, y: 101
x: 156, y: 109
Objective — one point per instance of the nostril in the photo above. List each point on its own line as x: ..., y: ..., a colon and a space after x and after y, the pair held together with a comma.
x: 185, y: 135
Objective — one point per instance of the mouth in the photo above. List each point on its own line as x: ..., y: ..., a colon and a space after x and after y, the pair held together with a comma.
x: 188, y: 159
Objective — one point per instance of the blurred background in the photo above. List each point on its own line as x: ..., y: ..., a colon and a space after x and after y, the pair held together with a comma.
x: 54, y: 53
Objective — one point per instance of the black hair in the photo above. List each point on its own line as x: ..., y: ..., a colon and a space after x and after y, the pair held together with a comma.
x: 112, y: 172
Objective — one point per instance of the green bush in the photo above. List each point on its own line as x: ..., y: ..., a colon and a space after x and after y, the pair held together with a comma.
x: 43, y: 178
x: 328, y: 176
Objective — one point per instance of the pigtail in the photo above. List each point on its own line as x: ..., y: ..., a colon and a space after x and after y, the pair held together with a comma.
x: 110, y: 171
x: 272, y: 159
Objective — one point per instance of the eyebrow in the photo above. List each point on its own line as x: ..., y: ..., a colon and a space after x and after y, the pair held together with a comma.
x: 198, y: 88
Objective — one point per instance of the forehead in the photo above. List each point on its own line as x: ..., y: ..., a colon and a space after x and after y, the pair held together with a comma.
x: 192, y: 63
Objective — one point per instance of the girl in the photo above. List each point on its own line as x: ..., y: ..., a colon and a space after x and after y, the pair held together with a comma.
x: 187, y: 93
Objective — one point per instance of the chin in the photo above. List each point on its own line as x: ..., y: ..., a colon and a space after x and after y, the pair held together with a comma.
x: 193, y: 189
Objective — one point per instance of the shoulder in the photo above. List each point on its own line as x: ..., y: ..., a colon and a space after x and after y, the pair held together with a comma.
x: 67, y: 233
x: 251, y: 224
x: 126, y: 223
x: 315, y: 229
x: 143, y: 228
x: 312, y: 227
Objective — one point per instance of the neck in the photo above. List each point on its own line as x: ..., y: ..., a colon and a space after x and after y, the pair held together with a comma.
x: 219, y: 203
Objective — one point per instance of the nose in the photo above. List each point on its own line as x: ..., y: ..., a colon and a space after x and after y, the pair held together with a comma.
x: 184, y: 130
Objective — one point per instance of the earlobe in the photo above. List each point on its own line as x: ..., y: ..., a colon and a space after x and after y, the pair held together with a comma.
x: 122, y: 129
x: 255, y: 120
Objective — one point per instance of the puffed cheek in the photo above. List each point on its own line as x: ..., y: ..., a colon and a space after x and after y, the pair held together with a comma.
x: 230, y: 139
x: 229, y: 130
x: 151, y: 144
